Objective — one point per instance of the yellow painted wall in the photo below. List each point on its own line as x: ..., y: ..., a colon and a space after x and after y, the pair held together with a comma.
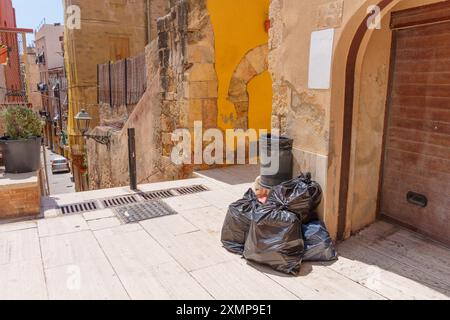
x: 260, y: 93
x: 238, y: 28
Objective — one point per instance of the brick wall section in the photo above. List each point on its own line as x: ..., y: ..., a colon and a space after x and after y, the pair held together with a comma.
x: 20, y: 200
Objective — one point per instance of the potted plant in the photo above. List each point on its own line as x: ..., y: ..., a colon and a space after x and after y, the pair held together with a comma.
x: 21, y: 145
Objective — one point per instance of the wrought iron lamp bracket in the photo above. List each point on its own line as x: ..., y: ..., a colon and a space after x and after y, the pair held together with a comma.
x: 104, y: 140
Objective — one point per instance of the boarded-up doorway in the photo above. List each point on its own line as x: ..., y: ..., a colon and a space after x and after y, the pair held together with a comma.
x: 416, y: 171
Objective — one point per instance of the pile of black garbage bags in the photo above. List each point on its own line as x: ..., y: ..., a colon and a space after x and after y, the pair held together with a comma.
x: 283, y: 232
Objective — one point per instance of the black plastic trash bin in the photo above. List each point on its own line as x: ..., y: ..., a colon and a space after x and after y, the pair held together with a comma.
x: 284, y: 156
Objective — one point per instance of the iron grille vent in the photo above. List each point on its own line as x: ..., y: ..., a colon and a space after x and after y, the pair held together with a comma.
x: 156, y: 195
x: 191, y: 190
x: 79, y: 207
x: 128, y: 200
x: 118, y: 201
x: 143, y: 211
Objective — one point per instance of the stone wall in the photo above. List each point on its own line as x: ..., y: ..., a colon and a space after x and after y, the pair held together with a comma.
x: 181, y: 89
x: 188, y: 76
x: 244, y: 83
x: 110, y: 30
x: 315, y: 118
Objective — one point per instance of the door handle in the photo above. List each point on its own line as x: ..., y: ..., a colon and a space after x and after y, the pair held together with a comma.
x: 417, y: 199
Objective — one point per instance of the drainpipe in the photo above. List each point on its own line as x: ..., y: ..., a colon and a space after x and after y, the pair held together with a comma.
x: 148, y: 11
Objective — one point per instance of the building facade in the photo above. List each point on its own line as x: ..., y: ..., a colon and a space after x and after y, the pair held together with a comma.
x: 32, y: 78
x: 13, y: 92
x: 110, y: 31
x: 371, y: 125
x: 211, y: 67
x: 50, y: 61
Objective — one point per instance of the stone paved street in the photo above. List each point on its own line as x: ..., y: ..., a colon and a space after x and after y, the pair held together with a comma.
x: 60, y: 183
x: 93, y: 256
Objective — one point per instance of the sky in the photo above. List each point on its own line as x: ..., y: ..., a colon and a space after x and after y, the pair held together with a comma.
x: 30, y: 13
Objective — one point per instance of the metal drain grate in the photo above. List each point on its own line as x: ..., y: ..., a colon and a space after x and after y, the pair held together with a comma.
x: 118, y: 201
x: 121, y: 204
x: 79, y: 207
x: 191, y: 190
x: 156, y: 195
x: 144, y: 211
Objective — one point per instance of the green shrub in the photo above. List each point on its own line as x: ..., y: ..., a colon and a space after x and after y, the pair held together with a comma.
x: 21, y: 123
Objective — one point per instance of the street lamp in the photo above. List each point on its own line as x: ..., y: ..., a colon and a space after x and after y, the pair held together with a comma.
x: 83, y: 121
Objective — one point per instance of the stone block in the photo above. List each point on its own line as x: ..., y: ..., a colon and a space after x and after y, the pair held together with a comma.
x: 245, y: 71
x: 241, y: 107
x: 210, y: 113
x: 202, y: 72
x: 195, y: 111
x: 238, y: 91
x: 167, y: 124
x: 213, y: 89
x: 258, y: 58
x: 198, y: 89
x: 200, y: 54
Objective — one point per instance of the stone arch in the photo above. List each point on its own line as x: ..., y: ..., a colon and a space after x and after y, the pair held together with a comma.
x: 254, y: 63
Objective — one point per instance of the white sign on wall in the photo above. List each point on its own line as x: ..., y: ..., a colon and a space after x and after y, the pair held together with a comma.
x: 320, y: 59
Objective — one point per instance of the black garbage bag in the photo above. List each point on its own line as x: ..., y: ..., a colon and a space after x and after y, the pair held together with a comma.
x: 275, y: 239
x: 237, y: 222
x: 318, y: 243
x: 301, y: 196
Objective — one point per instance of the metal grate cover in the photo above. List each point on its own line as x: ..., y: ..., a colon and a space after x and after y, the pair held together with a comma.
x: 144, y: 211
x: 79, y: 207
x: 191, y: 190
x: 156, y: 195
x: 119, y: 201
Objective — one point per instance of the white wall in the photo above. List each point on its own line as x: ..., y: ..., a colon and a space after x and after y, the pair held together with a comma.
x: 47, y: 39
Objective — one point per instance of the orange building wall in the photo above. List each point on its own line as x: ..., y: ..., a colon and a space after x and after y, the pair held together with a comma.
x: 12, y: 70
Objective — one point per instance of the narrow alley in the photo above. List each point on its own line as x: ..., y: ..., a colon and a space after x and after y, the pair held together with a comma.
x: 59, y: 182
x: 223, y: 150
x: 180, y: 256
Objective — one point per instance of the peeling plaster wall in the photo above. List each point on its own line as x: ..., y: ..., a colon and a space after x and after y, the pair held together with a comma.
x: 299, y: 112
x: 181, y: 89
x: 314, y: 118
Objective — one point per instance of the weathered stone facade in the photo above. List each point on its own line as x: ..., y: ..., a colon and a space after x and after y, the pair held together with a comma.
x: 181, y: 89
x: 188, y: 76
x: 110, y: 30
x: 315, y: 118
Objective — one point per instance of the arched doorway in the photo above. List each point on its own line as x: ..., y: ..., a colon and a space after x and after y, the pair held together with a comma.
x: 358, y: 117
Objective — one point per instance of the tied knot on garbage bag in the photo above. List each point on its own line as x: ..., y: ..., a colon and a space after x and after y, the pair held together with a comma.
x: 301, y: 196
x: 283, y: 232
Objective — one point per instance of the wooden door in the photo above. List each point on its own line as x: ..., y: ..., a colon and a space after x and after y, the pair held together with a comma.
x: 416, y: 170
